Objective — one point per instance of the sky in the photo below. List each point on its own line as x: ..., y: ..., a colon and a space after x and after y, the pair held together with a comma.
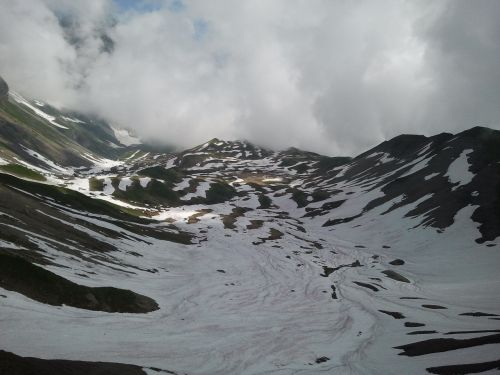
x: 331, y: 76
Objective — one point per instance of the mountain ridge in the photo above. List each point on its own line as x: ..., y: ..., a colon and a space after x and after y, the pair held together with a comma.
x: 239, y: 259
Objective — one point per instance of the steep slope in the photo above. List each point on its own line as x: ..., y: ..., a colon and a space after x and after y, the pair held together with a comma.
x: 258, y: 261
x: 444, y: 173
x: 42, y: 135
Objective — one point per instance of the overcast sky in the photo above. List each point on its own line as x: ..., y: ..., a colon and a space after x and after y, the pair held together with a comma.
x: 335, y: 77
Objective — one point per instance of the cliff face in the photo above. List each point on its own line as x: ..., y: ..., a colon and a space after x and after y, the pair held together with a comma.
x: 4, y: 89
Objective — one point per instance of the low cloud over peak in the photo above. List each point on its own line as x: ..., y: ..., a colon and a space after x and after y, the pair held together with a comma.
x: 331, y: 76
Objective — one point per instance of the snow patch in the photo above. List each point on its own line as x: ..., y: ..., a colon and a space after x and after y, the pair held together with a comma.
x: 201, y: 191
x: 48, y: 162
x: 182, y: 185
x: 428, y: 177
x: 125, y: 138
x: 51, y: 119
x: 125, y: 182
x: 108, y: 186
x: 170, y: 163
x: 458, y: 171
x: 75, y: 120
x: 144, y: 181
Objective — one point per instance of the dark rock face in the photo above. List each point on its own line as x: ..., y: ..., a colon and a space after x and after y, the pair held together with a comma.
x: 4, y: 89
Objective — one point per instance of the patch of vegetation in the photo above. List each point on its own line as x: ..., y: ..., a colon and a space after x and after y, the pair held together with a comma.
x: 255, y: 224
x: 156, y: 192
x: 171, y: 175
x: 230, y: 219
x: 265, y: 201
x: 127, y: 217
x: 193, y: 219
x: 22, y: 171
x: 189, y: 161
x: 299, y: 197
x: 35, y: 282
x: 274, y: 234
x: 320, y: 195
x: 96, y: 184
x: 220, y: 192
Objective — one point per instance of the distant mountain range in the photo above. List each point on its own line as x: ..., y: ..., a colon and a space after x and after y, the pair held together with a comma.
x: 121, y: 258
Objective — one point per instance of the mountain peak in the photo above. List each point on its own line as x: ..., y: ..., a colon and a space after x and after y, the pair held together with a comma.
x: 479, y: 131
x: 220, y: 145
x: 4, y: 89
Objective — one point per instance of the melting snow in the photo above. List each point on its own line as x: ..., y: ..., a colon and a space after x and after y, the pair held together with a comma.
x: 182, y: 185
x: 170, y: 163
x: 100, y: 164
x: 131, y: 156
x: 125, y: 138
x: 51, y: 119
x: 424, y: 149
x: 8, y: 245
x: 46, y: 161
x: 75, y: 120
x: 458, y: 171
x: 421, y: 164
x: 144, y: 181
x: 108, y: 186
x: 125, y: 182
x: 428, y: 177
x: 201, y: 191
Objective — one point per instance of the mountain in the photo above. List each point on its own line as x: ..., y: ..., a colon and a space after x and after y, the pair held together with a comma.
x: 229, y: 258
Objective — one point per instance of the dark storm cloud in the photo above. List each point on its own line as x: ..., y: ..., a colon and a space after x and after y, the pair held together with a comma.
x: 331, y: 76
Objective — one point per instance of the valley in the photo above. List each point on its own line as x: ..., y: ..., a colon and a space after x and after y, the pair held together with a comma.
x: 229, y: 258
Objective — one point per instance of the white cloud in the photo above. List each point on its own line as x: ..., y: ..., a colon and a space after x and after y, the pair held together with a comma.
x: 330, y: 76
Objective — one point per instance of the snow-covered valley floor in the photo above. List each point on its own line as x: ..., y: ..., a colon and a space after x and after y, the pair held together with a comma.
x: 305, y: 303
